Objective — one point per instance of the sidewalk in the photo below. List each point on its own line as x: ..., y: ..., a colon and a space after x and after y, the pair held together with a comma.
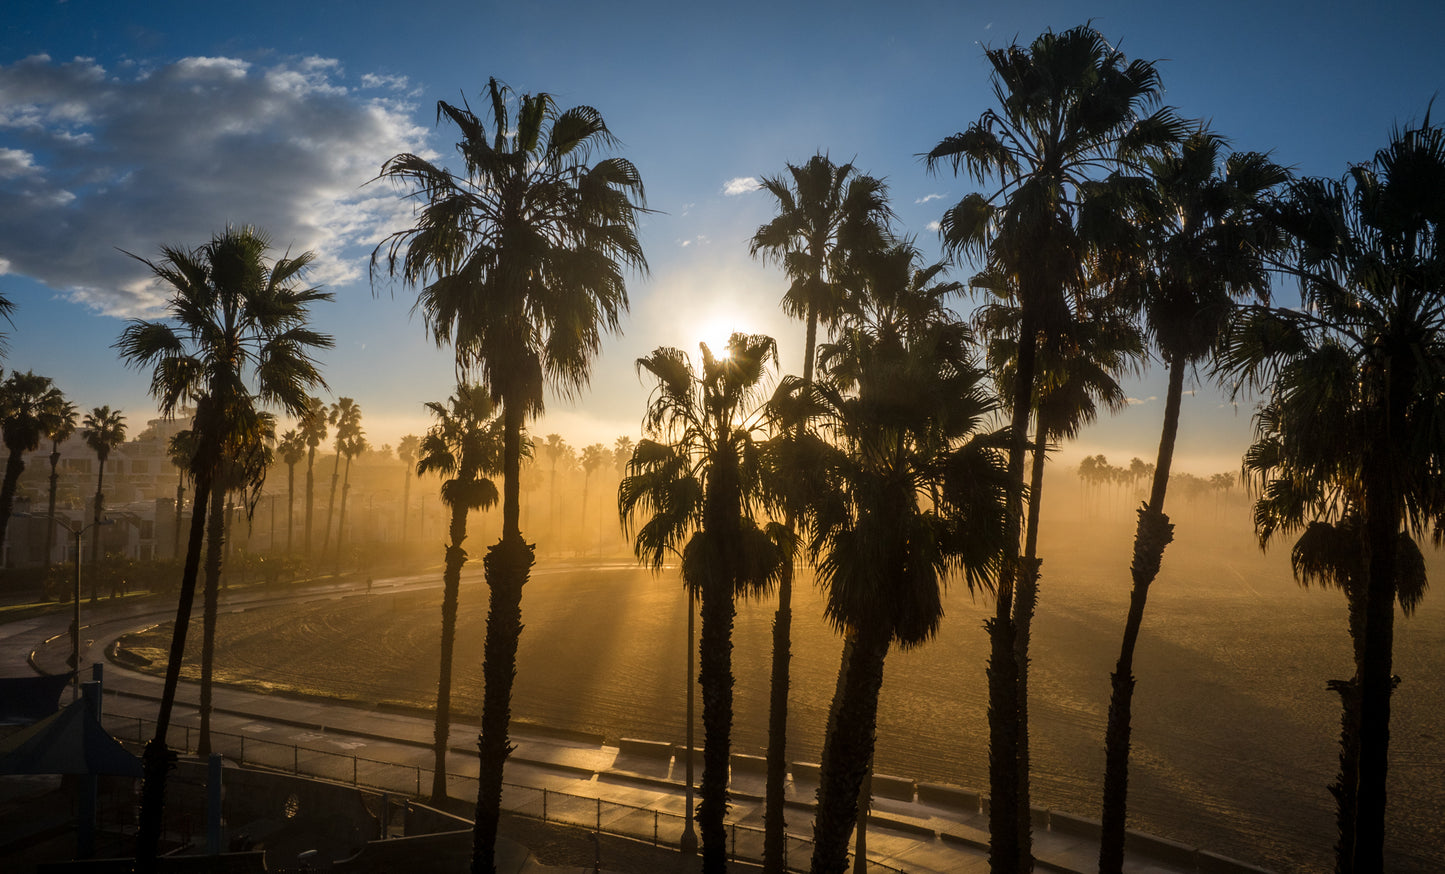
x: 915, y: 829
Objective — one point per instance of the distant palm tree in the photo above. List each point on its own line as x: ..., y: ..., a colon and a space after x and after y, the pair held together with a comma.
x: 522, y: 262
x: 292, y: 449
x: 354, y: 445
x: 1208, y: 237
x: 693, y: 488
x: 406, y: 451
x: 465, y: 445
x: 103, y: 431
x: 30, y: 406
x: 312, y: 423
x: 345, y: 417
x: 827, y: 215
x: 1070, y: 110
x: 1355, y: 379
x: 236, y: 334
x: 66, y: 416
x: 553, y: 451
x: 593, y: 458
x: 909, y: 489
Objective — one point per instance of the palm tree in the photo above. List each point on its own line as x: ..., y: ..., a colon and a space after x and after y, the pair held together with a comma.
x: 406, y: 451
x: 103, y: 431
x: 59, y: 431
x: 1208, y: 237
x: 312, y: 423
x: 182, y: 453
x: 29, y: 407
x: 345, y: 417
x: 696, y: 482
x: 465, y: 445
x: 292, y: 449
x: 907, y: 490
x: 827, y: 214
x: 553, y: 450
x: 593, y: 458
x: 236, y: 335
x: 1070, y: 108
x: 1355, y: 379
x: 354, y: 445
x: 521, y: 265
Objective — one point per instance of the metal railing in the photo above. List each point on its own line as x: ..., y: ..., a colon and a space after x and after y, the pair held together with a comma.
x: 745, y: 843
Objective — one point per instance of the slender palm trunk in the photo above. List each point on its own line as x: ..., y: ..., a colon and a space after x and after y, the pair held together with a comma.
x: 210, y: 610
x: 13, y: 468
x: 291, y: 509
x: 508, y: 565
x: 95, y: 533
x: 50, y: 508
x: 775, y: 825
x: 158, y: 760
x: 1025, y: 600
x: 1151, y: 537
x: 331, y: 503
x: 847, y: 752
x: 456, y: 556
x: 310, y: 497
x: 341, y: 522
x: 1003, y: 689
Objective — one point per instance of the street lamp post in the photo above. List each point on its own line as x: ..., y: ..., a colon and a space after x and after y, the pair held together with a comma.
x: 77, y: 532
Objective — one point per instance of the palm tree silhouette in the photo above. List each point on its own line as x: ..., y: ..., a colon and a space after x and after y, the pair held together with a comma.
x: 827, y: 214
x: 593, y: 458
x: 181, y: 450
x: 312, y: 423
x: 1070, y: 109
x: 29, y: 407
x: 236, y: 335
x: 345, y: 416
x: 1355, y: 379
x: 520, y: 263
x: 352, y: 446
x: 291, y: 449
x: 60, y: 430
x: 406, y: 451
x: 696, y: 482
x: 465, y: 446
x: 103, y: 430
x: 1208, y: 235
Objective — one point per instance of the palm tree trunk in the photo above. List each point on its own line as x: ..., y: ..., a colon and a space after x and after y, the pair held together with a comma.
x: 215, y: 539
x: 774, y: 825
x: 50, y: 510
x: 310, y: 497
x: 158, y: 760
x: 14, y: 466
x: 847, y: 753
x: 1346, y: 784
x: 341, y: 522
x: 1026, y: 599
x: 507, y: 566
x: 1003, y: 689
x: 715, y: 676
x: 1153, y: 534
x: 291, y: 509
x: 331, y: 503
x: 456, y: 556
x: 95, y: 533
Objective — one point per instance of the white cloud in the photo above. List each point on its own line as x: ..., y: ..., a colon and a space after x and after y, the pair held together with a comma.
x: 1134, y: 402
x: 92, y: 163
x: 377, y: 80
x: 699, y: 240
x: 927, y: 197
x: 934, y: 226
x: 740, y: 185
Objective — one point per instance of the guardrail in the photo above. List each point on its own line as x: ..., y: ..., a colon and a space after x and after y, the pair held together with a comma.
x: 745, y: 843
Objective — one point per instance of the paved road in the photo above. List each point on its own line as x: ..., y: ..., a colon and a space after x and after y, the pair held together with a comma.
x: 638, y: 790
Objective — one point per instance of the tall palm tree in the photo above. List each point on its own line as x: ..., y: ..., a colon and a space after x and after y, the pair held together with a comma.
x: 1355, y: 379
x: 236, y: 335
x: 696, y: 483
x: 465, y: 446
x: 291, y: 449
x: 827, y: 214
x: 1208, y: 237
x: 406, y: 451
x: 29, y: 407
x: 521, y: 263
x: 182, y: 453
x: 553, y: 450
x: 345, y: 417
x: 593, y: 458
x: 60, y: 430
x: 312, y: 423
x: 1071, y: 109
x: 354, y: 445
x: 103, y: 431
x: 909, y: 489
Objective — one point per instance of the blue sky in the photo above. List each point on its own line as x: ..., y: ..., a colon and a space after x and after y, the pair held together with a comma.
x: 126, y: 126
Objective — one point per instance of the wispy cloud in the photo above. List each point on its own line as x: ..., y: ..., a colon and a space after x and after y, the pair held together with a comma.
x: 740, y: 185
x: 699, y: 240
x: 934, y: 226
x: 927, y: 197
x: 1134, y: 402
x: 95, y: 161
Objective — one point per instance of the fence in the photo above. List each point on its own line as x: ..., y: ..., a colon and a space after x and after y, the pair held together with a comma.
x: 660, y: 827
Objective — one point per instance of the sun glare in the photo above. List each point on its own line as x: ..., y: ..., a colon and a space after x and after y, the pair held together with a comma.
x: 715, y: 331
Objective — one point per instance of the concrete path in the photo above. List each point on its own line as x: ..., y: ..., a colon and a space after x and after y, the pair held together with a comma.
x: 634, y: 787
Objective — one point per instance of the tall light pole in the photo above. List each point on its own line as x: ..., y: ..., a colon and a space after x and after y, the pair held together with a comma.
x: 77, y: 532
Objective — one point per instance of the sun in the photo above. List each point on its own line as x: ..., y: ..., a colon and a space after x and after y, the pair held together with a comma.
x: 715, y: 330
